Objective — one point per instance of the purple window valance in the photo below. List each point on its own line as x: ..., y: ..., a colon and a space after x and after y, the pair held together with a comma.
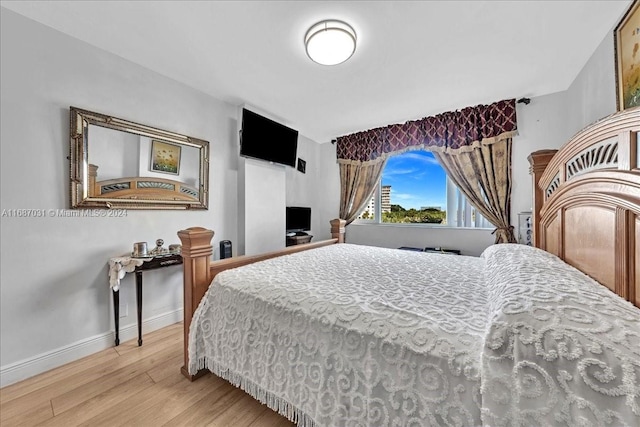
x: 446, y: 131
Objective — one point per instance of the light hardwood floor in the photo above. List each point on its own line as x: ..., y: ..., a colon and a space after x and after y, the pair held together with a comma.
x: 133, y: 386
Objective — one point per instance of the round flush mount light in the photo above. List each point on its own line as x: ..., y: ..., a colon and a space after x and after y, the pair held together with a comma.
x: 330, y: 42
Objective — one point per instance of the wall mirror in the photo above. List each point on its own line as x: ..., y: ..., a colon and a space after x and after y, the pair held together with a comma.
x: 120, y: 164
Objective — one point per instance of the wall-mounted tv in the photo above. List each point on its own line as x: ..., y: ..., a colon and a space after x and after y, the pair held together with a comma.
x: 262, y: 138
x: 298, y: 219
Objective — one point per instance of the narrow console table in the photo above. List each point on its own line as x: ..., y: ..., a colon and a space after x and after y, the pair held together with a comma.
x: 118, y: 267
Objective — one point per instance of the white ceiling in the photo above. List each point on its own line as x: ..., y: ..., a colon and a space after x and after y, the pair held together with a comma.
x: 413, y: 59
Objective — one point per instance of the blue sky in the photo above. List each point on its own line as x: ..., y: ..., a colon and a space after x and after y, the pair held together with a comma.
x: 416, y: 179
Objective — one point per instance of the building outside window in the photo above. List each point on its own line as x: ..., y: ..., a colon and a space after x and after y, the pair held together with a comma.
x: 385, y: 198
x: 415, y: 189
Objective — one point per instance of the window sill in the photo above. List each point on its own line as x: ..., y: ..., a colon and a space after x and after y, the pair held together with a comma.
x: 361, y: 222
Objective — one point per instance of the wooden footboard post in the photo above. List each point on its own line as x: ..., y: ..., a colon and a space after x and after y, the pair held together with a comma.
x: 196, y: 254
x: 337, y: 229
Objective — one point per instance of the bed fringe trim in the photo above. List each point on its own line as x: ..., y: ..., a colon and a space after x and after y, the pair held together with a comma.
x: 281, y: 406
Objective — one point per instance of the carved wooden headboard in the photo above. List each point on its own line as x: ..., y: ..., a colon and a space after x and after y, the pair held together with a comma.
x: 141, y: 188
x: 587, y: 202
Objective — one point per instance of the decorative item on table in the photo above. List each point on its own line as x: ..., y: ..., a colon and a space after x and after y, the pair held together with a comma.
x: 159, y: 250
x: 140, y: 250
x: 175, y: 249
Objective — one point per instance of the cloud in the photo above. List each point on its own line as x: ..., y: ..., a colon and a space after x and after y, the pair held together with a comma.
x: 421, y: 157
x: 403, y: 196
x: 394, y: 171
x: 417, y: 164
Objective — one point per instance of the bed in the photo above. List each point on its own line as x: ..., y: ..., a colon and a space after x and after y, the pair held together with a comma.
x: 332, y: 334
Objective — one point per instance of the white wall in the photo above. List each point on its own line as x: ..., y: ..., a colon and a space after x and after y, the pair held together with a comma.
x: 114, y: 152
x: 187, y: 171
x: 263, y: 192
x: 469, y: 240
x: 550, y: 121
x: 120, y: 155
x: 317, y: 188
x: 261, y: 199
x: 546, y: 123
x: 56, y: 305
x: 55, y: 291
x: 541, y: 125
x: 592, y: 95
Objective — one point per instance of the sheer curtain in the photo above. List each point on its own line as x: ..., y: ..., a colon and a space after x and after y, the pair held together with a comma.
x: 358, y: 181
x: 483, y: 175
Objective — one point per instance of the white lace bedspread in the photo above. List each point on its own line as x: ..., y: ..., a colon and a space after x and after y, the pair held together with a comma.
x: 350, y: 335
x: 561, y: 349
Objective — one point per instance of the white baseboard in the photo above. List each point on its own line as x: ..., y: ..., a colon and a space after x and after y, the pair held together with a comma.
x: 27, y: 368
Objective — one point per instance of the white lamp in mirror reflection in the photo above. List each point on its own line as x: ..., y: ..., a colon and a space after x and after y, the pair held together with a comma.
x: 330, y: 42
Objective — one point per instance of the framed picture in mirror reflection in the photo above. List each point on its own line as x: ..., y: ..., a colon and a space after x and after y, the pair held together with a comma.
x: 165, y: 157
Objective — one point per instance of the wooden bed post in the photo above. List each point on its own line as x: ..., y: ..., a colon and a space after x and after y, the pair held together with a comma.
x: 538, y: 161
x: 200, y: 270
x: 196, y: 253
x: 337, y: 229
x: 94, y: 190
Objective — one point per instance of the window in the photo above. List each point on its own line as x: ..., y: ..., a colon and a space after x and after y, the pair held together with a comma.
x: 415, y: 189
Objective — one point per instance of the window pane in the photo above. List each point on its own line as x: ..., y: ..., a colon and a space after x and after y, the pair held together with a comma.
x: 460, y: 213
x: 413, y: 189
x: 369, y: 210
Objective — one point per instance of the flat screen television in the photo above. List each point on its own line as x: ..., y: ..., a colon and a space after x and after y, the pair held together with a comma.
x: 298, y: 219
x: 262, y: 138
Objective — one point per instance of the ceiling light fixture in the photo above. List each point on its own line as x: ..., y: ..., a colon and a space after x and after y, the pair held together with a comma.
x: 330, y: 42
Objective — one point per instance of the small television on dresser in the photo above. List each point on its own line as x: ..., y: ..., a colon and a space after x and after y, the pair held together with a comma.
x: 298, y: 219
x: 264, y: 139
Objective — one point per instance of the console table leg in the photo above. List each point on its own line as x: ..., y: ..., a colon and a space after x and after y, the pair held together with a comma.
x: 139, y: 301
x: 116, y: 314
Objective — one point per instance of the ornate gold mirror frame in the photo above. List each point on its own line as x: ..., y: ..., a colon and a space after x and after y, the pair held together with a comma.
x: 120, y: 164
